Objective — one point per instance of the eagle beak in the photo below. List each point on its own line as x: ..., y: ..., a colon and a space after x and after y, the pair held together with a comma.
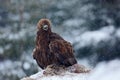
x: 45, y: 27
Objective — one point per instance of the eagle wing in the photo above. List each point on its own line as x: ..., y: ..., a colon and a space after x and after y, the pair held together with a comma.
x: 63, y: 52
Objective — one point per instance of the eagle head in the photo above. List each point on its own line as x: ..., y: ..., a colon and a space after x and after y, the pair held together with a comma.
x: 44, y: 25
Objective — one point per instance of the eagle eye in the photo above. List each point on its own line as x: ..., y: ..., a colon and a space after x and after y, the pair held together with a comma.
x: 45, y: 27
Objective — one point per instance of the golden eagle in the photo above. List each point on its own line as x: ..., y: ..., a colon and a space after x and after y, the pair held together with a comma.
x: 51, y: 48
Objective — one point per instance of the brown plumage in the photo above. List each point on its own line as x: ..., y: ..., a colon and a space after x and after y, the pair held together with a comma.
x: 51, y: 48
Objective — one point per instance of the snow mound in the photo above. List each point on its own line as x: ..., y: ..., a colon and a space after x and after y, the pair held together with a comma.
x: 106, y: 71
x: 103, y: 71
x: 53, y: 72
x: 66, y: 76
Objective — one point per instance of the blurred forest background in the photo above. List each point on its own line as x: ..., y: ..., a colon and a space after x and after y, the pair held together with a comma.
x: 92, y: 26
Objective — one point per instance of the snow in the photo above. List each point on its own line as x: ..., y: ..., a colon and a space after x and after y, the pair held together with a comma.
x: 60, y: 13
x: 17, y: 36
x: 66, y: 76
x: 94, y: 37
x: 26, y: 65
x: 85, y: 62
x: 7, y: 68
x: 103, y: 71
x: 106, y: 71
x: 21, y: 34
x: 117, y: 33
x: 16, y: 17
x: 1, y: 50
x: 73, y: 22
x: 17, y: 68
x: 74, y: 15
x: 85, y: 37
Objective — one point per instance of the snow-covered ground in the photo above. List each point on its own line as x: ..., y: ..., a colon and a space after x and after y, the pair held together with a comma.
x: 66, y: 76
x: 103, y: 71
x: 106, y: 71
